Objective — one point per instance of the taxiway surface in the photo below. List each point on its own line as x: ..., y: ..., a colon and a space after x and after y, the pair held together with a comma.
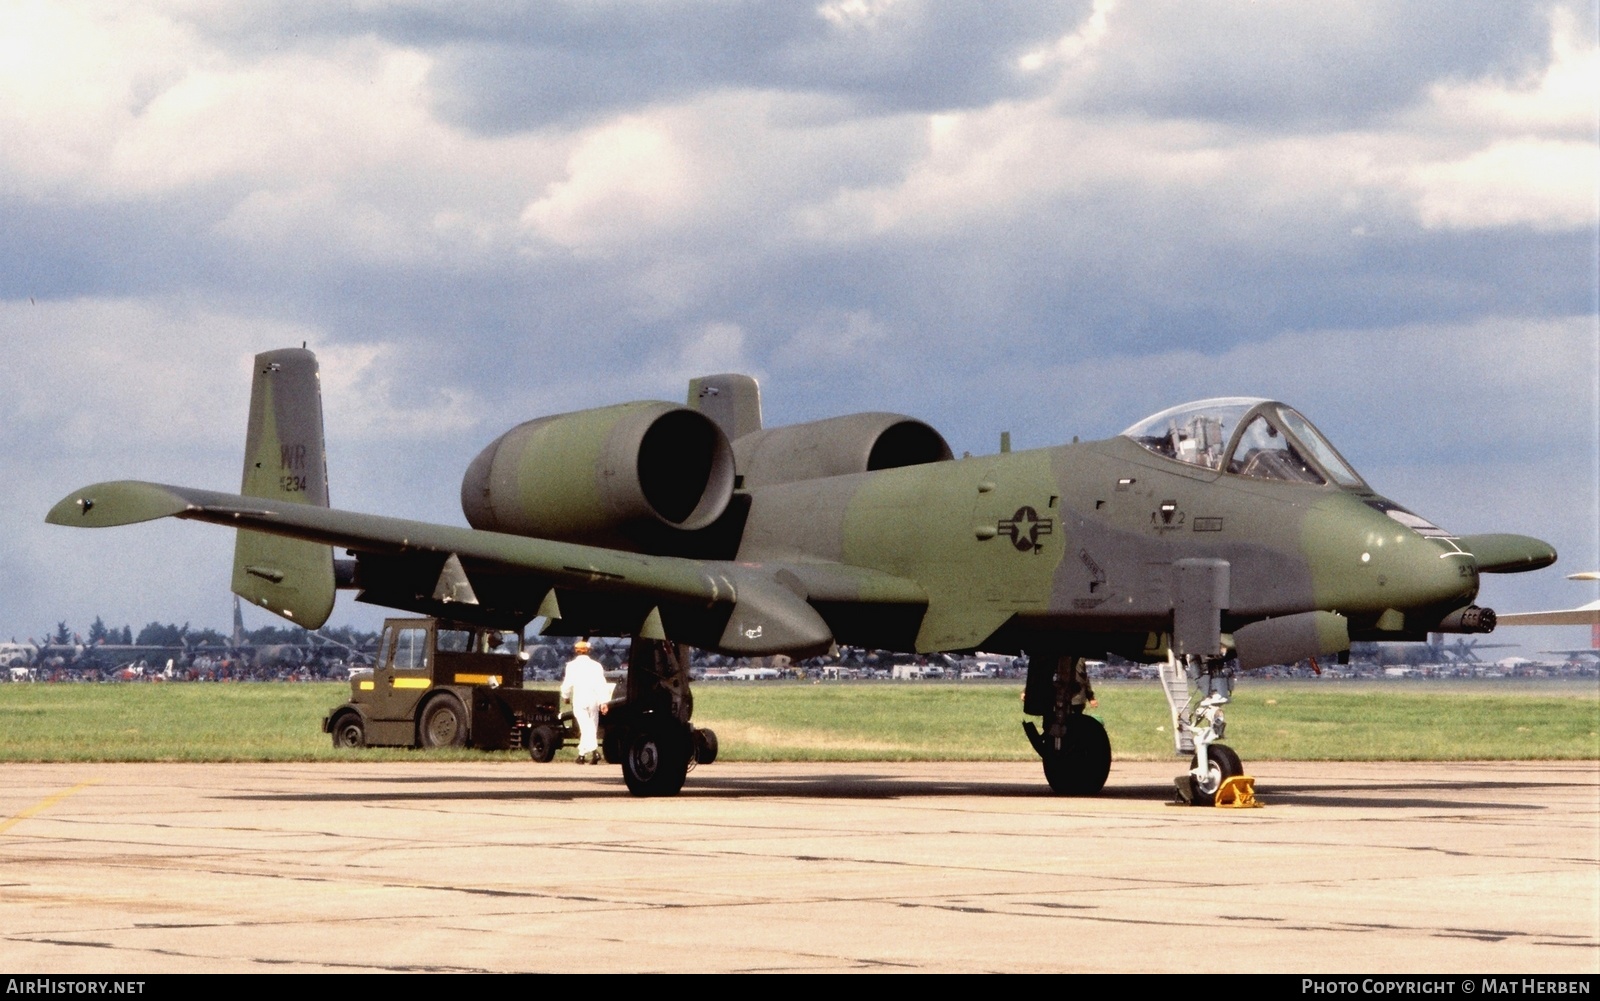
x: 509, y: 866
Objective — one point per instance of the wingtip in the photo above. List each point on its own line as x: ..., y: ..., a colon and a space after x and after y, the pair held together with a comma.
x: 121, y: 502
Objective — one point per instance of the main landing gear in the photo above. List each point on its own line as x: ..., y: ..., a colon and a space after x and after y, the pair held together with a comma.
x: 1197, y: 730
x: 1074, y: 747
x: 649, y: 732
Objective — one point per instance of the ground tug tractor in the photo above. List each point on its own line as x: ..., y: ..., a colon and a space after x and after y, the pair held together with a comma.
x: 437, y: 683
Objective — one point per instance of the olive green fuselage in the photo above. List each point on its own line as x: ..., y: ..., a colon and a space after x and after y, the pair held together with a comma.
x: 1075, y: 545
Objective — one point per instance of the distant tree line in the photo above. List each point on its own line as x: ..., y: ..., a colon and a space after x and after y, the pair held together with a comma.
x: 168, y: 634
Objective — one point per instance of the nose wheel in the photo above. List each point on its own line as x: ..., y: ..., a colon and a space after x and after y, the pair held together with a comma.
x: 1220, y: 765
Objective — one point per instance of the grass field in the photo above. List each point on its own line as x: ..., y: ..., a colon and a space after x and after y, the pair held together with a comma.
x: 766, y: 721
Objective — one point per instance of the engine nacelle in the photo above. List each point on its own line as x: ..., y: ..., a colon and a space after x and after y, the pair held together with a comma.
x: 607, y: 476
x: 856, y: 443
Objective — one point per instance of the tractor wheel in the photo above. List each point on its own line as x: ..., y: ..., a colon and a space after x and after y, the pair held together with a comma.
x: 350, y: 730
x: 444, y: 722
x: 543, y: 743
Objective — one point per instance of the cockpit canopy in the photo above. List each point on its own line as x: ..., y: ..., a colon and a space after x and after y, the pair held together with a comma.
x: 1263, y: 439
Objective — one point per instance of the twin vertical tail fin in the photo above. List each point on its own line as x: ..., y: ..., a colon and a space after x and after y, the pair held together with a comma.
x: 285, y: 463
x: 730, y: 401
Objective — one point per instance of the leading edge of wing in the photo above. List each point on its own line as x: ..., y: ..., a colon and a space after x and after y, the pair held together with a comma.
x: 758, y: 590
x: 1583, y: 615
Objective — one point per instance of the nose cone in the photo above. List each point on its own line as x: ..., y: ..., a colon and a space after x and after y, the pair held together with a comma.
x: 1430, y: 574
x: 1366, y: 562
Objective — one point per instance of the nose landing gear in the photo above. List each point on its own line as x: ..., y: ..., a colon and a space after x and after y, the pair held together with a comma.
x: 1215, y: 772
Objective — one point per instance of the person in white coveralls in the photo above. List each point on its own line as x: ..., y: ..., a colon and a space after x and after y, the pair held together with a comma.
x: 586, y: 687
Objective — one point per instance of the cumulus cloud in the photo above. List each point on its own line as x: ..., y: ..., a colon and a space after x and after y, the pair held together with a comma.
x: 1539, y: 183
x: 531, y: 65
x: 71, y: 77
x: 1282, y: 64
x: 621, y: 179
x: 1531, y: 151
x: 366, y: 399
x: 1556, y: 96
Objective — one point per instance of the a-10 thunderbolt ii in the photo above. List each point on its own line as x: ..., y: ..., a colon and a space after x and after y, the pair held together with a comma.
x: 1211, y: 538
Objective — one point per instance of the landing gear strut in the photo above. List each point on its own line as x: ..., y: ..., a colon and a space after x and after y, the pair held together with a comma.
x: 1074, y: 747
x: 1197, y: 730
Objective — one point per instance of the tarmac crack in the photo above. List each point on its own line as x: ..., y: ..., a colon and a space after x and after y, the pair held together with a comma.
x: 258, y: 960
x: 957, y: 908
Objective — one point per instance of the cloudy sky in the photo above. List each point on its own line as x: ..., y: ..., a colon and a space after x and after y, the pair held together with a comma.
x: 1048, y: 218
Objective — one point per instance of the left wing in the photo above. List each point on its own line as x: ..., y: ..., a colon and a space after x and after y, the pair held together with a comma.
x: 735, y: 608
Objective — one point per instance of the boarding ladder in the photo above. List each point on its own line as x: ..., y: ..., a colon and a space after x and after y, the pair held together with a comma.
x: 1175, y: 683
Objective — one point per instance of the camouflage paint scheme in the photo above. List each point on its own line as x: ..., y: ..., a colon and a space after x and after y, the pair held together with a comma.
x: 645, y: 519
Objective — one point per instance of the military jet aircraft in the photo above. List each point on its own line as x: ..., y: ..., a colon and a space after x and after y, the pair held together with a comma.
x: 1583, y: 615
x: 16, y: 654
x: 1211, y: 538
x: 79, y: 654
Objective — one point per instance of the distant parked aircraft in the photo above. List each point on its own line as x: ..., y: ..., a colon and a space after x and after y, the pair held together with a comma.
x: 1583, y: 615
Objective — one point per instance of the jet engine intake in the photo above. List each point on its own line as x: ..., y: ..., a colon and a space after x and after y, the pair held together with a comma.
x: 602, y: 476
x: 855, y: 443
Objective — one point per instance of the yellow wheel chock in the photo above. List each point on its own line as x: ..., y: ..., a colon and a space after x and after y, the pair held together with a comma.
x: 1238, y: 793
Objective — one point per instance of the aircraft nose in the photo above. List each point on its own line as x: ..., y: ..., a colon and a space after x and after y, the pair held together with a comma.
x: 1379, y: 564
x: 1410, y: 571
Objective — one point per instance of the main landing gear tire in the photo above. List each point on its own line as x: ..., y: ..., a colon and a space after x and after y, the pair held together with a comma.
x: 705, y: 747
x: 349, y: 730
x: 1081, y: 766
x: 655, y: 758
x: 543, y: 743
x: 1221, y: 764
x: 444, y: 723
